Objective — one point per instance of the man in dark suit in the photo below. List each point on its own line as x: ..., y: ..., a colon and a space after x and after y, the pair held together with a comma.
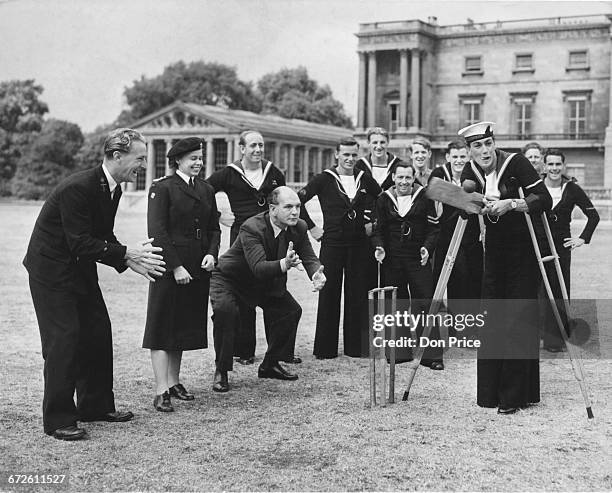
x: 254, y: 272
x: 74, y: 230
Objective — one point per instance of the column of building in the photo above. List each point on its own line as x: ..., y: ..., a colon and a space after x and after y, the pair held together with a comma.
x: 415, y: 89
x: 608, y: 137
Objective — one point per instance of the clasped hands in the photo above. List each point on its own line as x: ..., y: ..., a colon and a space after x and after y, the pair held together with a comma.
x: 494, y: 206
x: 145, y: 259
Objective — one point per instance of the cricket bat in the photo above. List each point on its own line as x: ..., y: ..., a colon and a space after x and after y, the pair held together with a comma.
x: 453, y: 195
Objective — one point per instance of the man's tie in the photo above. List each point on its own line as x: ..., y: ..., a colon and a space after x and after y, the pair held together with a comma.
x: 191, y: 183
x: 116, y: 195
x: 281, y: 251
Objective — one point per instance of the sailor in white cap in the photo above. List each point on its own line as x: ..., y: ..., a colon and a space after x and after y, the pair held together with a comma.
x: 508, y: 361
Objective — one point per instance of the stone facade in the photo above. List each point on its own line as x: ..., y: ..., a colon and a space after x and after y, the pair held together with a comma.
x: 544, y: 80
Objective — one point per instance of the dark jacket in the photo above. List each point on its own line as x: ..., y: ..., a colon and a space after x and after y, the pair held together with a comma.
x: 246, y: 200
x: 560, y: 216
x: 343, y: 219
x: 404, y: 236
x: 364, y: 164
x: 514, y: 172
x: 74, y: 230
x: 252, y: 262
x: 184, y: 222
x: 449, y: 215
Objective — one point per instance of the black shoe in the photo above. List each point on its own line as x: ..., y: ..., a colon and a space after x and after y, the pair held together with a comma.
x: 275, y: 371
x: 181, y: 393
x: 325, y: 357
x: 163, y: 403
x: 437, y: 365
x: 114, y: 417
x: 69, y: 433
x: 292, y: 360
x: 507, y: 410
x: 220, y: 383
x: 246, y: 361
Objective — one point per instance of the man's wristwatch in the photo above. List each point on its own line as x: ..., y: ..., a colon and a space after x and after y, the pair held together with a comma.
x: 514, y: 204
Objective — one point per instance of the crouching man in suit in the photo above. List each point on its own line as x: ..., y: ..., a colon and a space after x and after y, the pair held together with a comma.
x: 253, y: 272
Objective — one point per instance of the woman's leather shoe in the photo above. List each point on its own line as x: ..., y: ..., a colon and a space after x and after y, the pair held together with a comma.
x: 181, y: 393
x: 163, y: 403
x: 507, y: 410
x: 69, y: 433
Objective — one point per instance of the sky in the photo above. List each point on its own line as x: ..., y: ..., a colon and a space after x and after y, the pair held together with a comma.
x: 86, y: 52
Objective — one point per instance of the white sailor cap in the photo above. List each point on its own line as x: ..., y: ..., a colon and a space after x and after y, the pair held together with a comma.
x: 477, y: 131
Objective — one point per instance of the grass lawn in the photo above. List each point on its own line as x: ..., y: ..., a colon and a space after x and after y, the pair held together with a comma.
x: 314, y: 434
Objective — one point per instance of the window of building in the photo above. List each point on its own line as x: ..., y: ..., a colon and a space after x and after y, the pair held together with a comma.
x: 159, y: 155
x: 393, y: 115
x: 522, y: 113
x: 312, y: 162
x: 471, y: 109
x: 270, y: 148
x: 577, y: 116
x: 298, y: 164
x: 523, y: 117
x: 523, y: 62
x: 473, y: 65
x: 219, y: 153
x: 578, y: 60
x: 577, y: 109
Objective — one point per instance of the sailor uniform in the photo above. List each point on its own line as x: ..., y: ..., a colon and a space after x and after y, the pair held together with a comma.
x: 508, y: 361
x: 247, y: 193
x: 402, y: 236
x: 465, y: 281
x: 344, y: 252
x: 570, y: 195
x: 384, y: 177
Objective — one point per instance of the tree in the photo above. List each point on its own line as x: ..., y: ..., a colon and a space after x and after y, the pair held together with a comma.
x: 291, y: 93
x: 196, y: 82
x: 21, y: 116
x: 48, y: 157
x: 20, y: 108
x: 91, y: 153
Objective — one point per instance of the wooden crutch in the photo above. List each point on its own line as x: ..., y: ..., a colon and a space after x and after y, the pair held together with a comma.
x: 575, y: 359
x: 436, y: 302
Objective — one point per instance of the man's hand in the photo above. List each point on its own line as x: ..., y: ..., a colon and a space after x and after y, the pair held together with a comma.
x: 292, y: 259
x: 497, y: 207
x: 572, y: 243
x: 424, y: 256
x: 144, y: 270
x: 316, y: 233
x: 318, y: 280
x: 145, y: 253
x: 208, y: 262
x: 181, y: 275
x: 379, y: 254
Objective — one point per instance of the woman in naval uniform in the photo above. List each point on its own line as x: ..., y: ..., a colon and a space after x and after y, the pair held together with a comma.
x: 182, y: 219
